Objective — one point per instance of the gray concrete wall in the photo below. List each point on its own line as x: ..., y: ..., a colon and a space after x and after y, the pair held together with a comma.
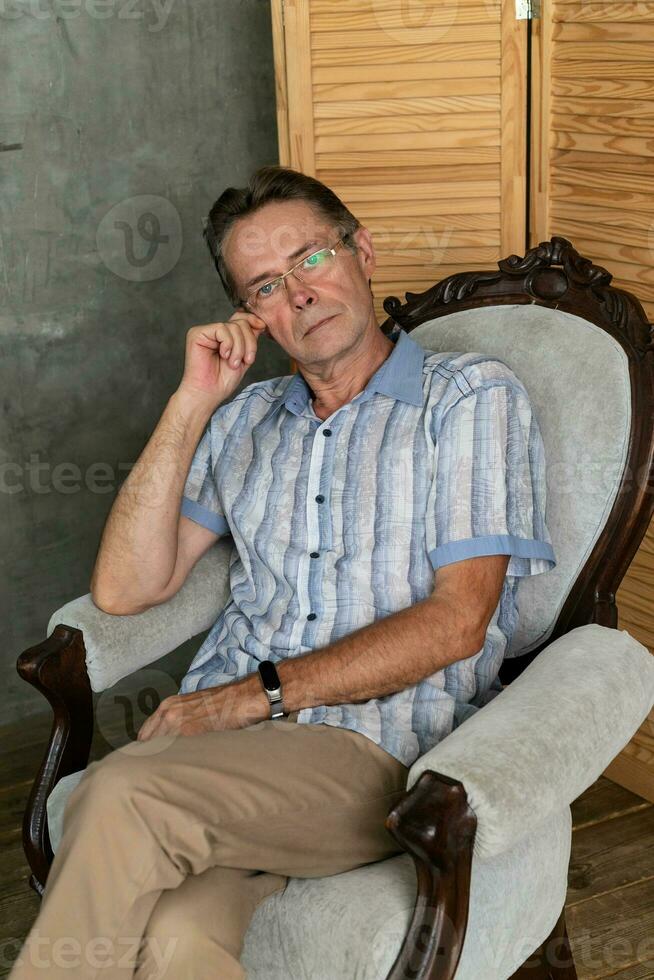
x: 120, y: 124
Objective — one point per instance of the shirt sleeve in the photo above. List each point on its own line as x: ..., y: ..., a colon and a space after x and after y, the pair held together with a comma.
x: 487, y: 495
x: 201, y: 498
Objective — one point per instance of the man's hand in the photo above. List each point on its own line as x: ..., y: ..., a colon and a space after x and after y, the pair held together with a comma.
x: 214, y: 709
x: 219, y: 354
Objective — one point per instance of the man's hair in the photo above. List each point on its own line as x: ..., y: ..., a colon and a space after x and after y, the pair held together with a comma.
x: 271, y: 183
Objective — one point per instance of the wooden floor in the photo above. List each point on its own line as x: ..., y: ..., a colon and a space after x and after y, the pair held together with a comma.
x: 610, y: 905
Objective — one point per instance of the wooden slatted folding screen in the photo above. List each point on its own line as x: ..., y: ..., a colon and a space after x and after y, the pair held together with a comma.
x: 592, y: 138
x: 415, y: 115
x: 595, y: 172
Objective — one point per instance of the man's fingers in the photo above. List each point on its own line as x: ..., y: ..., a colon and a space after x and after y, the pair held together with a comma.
x: 250, y: 328
x: 255, y: 322
x: 237, y: 338
x: 149, y: 727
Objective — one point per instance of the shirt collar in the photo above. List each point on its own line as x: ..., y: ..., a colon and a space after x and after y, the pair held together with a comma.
x: 399, y: 376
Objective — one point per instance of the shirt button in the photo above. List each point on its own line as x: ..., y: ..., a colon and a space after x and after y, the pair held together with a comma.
x: 311, y: 616
x: 326, y: 432
x: 315, y: 554
x: 320, y: 499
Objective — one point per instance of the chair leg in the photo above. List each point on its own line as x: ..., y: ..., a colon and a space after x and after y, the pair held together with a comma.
x: 552, y: 960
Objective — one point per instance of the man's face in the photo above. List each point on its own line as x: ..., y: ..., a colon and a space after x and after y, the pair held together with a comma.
x: 267, y: 243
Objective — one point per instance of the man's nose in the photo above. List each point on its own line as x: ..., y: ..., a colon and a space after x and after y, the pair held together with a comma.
x: 299, y: 293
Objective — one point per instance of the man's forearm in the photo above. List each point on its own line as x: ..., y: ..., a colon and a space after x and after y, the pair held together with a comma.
x: 138, y: 550
x: 379, y: 659
x: 384, y: 657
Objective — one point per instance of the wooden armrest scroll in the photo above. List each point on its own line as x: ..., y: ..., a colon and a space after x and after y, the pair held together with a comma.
x: 57, y: 668
x: 435, y: 824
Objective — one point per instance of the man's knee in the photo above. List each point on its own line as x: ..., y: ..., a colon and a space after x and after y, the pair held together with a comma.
x: 110, y: 782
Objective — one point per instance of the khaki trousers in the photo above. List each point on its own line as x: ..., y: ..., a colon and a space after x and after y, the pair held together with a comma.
x: 169, y: 845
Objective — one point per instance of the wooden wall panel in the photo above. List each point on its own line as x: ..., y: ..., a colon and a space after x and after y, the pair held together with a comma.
x: 593, y: 170
x: 416, y: 119
x: 593, y: 145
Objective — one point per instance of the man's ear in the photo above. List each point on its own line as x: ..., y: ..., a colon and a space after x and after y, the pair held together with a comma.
x: 366, y: 251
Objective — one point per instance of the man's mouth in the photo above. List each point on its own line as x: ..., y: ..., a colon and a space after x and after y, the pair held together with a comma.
x: 316, y: 325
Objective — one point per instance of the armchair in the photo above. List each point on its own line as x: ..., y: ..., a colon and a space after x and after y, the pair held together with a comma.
x: 485, y: 823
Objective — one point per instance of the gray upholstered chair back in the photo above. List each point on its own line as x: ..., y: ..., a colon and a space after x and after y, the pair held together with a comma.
x: 577, y: 377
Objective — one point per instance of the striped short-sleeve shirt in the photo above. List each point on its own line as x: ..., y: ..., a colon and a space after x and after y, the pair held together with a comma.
x: 339, y: 522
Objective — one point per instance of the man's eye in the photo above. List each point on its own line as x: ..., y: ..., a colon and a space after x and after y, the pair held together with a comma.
x: 268, y: 288
x: 313, y: 260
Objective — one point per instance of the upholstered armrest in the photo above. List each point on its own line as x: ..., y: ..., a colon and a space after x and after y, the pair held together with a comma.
x: 549, y: 735
x: 119, y: 645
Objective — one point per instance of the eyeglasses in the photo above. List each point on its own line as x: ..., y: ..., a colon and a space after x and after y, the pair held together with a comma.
x: 313, y: 268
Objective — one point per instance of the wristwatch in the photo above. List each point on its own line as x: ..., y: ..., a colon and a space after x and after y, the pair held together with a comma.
x: 273, y: 688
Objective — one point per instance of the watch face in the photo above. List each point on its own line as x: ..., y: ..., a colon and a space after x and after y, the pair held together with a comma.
x: 269, y: 675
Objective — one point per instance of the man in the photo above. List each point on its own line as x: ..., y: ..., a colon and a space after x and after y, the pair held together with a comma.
x: 383, y: 504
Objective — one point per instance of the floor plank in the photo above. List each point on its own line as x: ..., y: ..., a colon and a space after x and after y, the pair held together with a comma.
x: 603, y: 800
x: 610, y: 854
x: 613, y: 931
x: 639, y: 971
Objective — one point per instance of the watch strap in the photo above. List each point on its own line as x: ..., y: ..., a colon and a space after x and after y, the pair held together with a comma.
x: 275, y: 697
